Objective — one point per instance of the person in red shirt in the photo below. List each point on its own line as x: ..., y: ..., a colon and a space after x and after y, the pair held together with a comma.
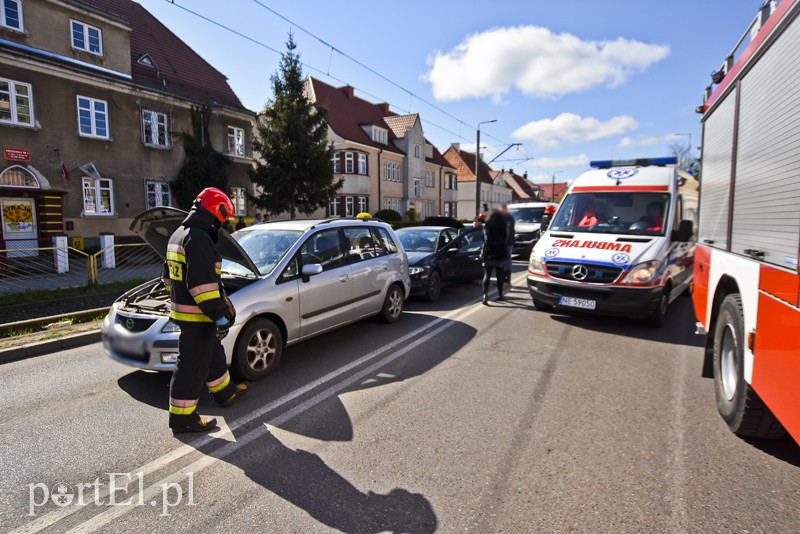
x: 654, y: 217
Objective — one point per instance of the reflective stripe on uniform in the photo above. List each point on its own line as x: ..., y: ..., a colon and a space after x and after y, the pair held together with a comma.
x: 218, y: 267
x: 189, y: 317
x: 182, y: 410
x: 208, y: 295
x: 219, y: 384
x: 176, y: 253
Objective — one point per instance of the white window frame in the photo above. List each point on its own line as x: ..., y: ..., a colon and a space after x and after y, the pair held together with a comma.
x: 349, y: 163
x: 4, y: 22
x: 349, y: 206
x: 417, y: 188
x: 417, y: 151
x: 94, y: 186
x: 239, y: 199
x: 336, y: 163
x: 236, y: 142
x: 93, y: 114
x: 153, y: 142
x: 362, y: 164
x: 161, y: 189
x: 362, y: 204
x: 428, y: 150
x: 333, y: 207
x: 379, y: 135
x: 430, y: 178
x: 12, y: 99
x: 85, y: 31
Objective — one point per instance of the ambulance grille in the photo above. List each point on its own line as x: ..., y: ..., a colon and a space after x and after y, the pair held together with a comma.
x: 597, y: 274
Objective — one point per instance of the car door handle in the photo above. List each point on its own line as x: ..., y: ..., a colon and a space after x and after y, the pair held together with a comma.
x: 344, y: 278
x: 385, y: 267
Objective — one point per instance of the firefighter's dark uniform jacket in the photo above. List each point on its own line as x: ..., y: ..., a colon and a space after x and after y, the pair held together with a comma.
x: 192, y: 271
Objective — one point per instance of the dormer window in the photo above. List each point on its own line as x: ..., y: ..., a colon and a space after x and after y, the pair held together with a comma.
x: 11, y: 14
x: 87, y: 38
x: 428, y: 150
x: 380, y: 135
x: 147, y: 61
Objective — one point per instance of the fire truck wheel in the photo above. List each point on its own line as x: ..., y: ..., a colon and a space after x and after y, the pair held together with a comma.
x: 738, y: 404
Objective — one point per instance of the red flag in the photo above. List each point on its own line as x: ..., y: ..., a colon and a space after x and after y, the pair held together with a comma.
x: 64, y: 170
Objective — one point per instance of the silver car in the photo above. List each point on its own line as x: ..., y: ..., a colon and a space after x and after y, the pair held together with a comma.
x: 288, y: 280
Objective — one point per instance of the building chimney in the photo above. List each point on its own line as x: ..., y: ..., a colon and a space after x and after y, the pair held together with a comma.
x: 456, y: 146
x: 384, y: 107
x: 525, y: 175
x: 348, y: 91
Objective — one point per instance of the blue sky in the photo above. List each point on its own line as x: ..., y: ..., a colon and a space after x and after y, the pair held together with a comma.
x: 571, y: 80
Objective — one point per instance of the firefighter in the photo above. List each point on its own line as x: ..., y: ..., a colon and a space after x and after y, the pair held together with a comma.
x: 203, y: 311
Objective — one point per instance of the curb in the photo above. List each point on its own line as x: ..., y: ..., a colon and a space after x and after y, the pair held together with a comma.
x: 53, y: 345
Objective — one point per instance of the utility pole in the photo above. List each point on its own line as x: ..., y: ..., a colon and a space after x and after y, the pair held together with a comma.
x: 477, y: 168
x: 553, y: 190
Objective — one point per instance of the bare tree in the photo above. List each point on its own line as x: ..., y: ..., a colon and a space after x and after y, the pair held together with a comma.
x: 687, y: 160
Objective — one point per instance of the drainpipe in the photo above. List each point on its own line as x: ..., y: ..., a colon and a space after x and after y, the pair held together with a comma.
x: 380, y: 151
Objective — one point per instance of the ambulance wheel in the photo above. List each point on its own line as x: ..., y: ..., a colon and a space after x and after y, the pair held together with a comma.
x: 658, y: 318
x: 258, y: 350
x: 541, y: 306
x: 738, y: 404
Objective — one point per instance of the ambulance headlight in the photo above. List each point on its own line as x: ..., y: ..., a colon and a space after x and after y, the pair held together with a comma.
x: 536, y: 265
x: 642, y: 274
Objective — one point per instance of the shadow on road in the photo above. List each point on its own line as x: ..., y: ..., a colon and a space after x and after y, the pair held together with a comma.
x: 784, y: 449
x: 679, y: 329
x: 303, y: 478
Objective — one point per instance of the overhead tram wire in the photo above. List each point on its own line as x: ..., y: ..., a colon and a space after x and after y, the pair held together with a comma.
x: 363, y: 65
x: 306, y: 65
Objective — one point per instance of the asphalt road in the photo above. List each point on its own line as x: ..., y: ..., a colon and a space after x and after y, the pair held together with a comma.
x: 459, y: 418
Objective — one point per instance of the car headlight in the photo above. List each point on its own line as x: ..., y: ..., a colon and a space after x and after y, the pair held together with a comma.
x: 170, y: 327
x: 536, y: 265
x: 642, y: 274
x: 418, y: 269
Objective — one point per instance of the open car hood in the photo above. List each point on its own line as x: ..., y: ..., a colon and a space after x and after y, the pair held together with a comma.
x: 156, y: 225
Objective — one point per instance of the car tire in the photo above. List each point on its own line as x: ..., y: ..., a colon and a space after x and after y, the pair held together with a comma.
x: 658, y: 318
x: 258, y: 350
x: 737, y: 402
x: 393, y: 305
x: 541, y: 306
x: 434, y: 289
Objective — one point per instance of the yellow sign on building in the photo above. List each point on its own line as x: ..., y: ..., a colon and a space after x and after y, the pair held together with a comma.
x: 76, y: 242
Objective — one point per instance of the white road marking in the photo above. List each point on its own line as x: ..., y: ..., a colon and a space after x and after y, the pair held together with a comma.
x: 153, y: 491
x: 55, y: 516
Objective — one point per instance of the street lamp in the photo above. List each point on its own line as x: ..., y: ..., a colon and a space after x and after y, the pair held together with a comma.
x: 477, y: 168
x: 553, y: 190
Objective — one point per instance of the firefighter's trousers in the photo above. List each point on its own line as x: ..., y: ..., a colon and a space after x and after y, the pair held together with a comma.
x: 201, y: 359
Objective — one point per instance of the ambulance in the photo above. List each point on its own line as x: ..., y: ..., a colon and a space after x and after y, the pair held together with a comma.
x: 619, y: 243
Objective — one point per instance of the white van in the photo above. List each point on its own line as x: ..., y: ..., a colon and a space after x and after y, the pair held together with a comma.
x: 619, y: 243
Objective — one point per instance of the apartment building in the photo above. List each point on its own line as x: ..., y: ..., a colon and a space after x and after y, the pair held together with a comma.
x: 493, y: 188
x: 93, y: 95
x: 384, y: 158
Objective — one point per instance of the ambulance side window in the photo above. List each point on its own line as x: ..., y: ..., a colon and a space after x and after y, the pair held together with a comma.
x: 678, y: 211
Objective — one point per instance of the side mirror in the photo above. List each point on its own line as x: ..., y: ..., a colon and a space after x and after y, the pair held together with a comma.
x: 310, y: 270
x: 452, y: 251
x: 545, y: 223
x: 684, y: 232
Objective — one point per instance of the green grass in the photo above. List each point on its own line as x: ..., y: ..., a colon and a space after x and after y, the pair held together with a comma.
x: 39, y: 295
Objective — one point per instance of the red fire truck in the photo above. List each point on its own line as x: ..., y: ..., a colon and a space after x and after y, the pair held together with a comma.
x: 746, y: 284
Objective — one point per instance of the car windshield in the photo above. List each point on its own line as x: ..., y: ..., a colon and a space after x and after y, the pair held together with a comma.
x: 526, y: 215
x: 266, y: 247
x: 613, y: 213
x: 419, y: 240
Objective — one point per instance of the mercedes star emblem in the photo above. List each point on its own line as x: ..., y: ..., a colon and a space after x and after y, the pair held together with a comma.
x: 580, y: 272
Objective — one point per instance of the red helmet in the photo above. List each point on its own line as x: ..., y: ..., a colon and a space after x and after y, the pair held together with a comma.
x: 216, y: 202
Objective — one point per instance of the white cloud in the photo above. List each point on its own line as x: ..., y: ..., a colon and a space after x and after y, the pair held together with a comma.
x: 559, y: 162
x: 548, y: 133
x: 651, y: 140
x: 537, y: 62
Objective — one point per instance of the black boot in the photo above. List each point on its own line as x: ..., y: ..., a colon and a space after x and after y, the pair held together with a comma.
x: 485, y: 298
x: 227, y: 395
x: 191, y: 423
x: 500, y: 296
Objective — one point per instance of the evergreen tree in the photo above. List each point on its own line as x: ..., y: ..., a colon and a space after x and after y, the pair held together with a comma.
x: 294, y: 173
x: 202, y: 165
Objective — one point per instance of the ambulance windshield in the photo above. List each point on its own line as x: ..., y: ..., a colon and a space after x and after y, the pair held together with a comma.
x: 613, y: 213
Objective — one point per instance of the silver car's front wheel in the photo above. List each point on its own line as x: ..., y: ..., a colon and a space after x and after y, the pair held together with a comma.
x: 258, y: 349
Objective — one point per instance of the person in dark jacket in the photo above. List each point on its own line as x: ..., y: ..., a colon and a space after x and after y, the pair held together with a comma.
x: 241, y: 224
x: 202, y: 310
x: 495, y: 253
x: 510, y: 239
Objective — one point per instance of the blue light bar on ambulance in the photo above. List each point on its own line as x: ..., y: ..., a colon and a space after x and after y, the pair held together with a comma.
x: 641, y: 162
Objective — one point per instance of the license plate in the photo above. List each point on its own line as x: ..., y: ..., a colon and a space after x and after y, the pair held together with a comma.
x: 127, y: 345
x: 585, y: 304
